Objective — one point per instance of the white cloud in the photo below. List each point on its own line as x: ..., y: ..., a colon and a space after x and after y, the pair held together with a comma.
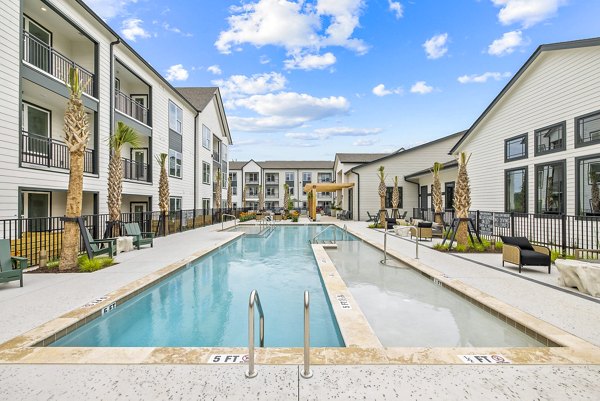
x: 396, y: 8
x: 526, y: 12
x: 264, y: 59
x: 506, y: 44
x: 108, y: 9
x: 310, y: 61
x: 421, y: 88
x: 380, y: 90
x: 132, y: 29
x: 237, y: 86
x: 298, y: 26
x: 177, y: 73
x: 483, y: 78
x: 215, y: 69
x: 174, y: 29
x: 365, y: 142
x: 324, y: 133
x: 435, y: 47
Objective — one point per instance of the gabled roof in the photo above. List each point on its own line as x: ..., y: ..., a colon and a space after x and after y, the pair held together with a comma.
x: 543, y: 48
x: 286, y: 164
x: 198, y: 96
x: 236, y: 165
x: 447, y: 165
x: 359, y: 157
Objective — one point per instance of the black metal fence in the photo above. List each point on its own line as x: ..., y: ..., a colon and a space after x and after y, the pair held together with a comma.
x: 559, y: 232
x: 28, y: 236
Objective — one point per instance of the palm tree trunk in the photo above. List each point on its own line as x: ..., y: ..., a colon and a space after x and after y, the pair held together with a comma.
x: 71, y: 235
x: 115, y: 188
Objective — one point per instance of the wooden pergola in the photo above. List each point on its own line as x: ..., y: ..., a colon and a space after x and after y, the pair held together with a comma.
x: 312, y: 190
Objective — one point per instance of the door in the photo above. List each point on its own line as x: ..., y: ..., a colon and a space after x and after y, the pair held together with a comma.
x: 139, y: 213
x: 424, y: 198
x: 139, y: 107
x: 38, y: 46
x: 139, y: 159
x: 38, y: 206
x: 351, y: 202
x: 36, y: 126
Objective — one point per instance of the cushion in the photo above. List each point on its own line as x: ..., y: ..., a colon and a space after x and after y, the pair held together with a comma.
x: 521, y: 242
x: 424, y: 224
x: 534, y: 258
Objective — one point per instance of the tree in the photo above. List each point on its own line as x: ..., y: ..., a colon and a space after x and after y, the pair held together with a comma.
x: 382, y: 191
x: 229, y: 194
x: 163, y: 188
x: 286, y: 197
x: 436, y: 192
x: 462, y: 199
x: 218, y: 192
x: 595, y: 204
x: 245, y: 190
x: 261, y: 198
x: 77, y: 133
x: 395, y: 195
x: 124, y: 135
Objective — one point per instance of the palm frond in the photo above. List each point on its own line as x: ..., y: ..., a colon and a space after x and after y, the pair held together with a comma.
x: 161, y: 159
x: 124, y: 135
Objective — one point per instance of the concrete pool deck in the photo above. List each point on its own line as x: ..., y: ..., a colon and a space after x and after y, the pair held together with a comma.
x: 47, y: 296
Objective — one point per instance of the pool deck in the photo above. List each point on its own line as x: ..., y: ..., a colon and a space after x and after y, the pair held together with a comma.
x: 47, y: 296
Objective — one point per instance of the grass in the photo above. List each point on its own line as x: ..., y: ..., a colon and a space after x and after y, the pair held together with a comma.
x: 475, y: 247
x: 91, y: 265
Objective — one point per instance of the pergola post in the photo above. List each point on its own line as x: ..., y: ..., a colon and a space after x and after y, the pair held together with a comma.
x: 313, y: 203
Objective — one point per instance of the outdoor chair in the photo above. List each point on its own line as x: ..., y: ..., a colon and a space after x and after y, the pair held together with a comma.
x: 139, y: 238
x: 422, y: 230
x: 391, y: 222
x: 519, y: 251
x: 372, y: 218
x: 110, y: 248
x: 11, y: 267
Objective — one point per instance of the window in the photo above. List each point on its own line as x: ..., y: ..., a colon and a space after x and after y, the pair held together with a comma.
x: 550, y: 139
x: 449, y: 195
x: 174, y: 204
x: 205, y: 204
x: 515, y: 189
x: 253, y: 191
x: 272, y: 192
x: 206, y: 135
x: 289, y: 177
x: 388, y: 197
x: 272, y: 178
x: 515, y: 148
x: 588, y: 181
x: 549, y: 183
x: 205, y: 173
x: 252, y: 177
x: 324, y: 177
x: 174, y: 163
x: 233, y: 177
x: 175, y: 118
x: 216, y: 150
x: 306, y: 179
x: 291, y: 189
x: 587, y: 129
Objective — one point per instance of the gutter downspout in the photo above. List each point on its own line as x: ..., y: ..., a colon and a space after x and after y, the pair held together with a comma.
x: 196, y: 160
x: 112, y: 86
x: 357, y: 195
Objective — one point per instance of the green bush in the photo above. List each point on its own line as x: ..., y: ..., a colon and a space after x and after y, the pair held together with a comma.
x: 460, y: 248
x: 498, y: 245
x: 554, y: 255
x: 440, y: 247
x: 91, y: 265
x: 376, y: 225
x: 52, y: 265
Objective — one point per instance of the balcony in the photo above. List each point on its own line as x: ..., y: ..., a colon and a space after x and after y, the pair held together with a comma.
x: 43, y: 151
x: 135, y: 171
x: 251, y: 180
x: 272, y: 182
x: 131, y: 107
x: 49, y: 60
x: 272, y: 196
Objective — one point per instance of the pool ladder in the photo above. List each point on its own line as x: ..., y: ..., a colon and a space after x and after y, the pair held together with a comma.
x: 314, y: 240
x: 228, y: 215
x: 255, y: 301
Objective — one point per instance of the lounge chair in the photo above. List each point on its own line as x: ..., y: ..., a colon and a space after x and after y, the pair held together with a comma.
x: 519, y: 251
x: 110, y: 248
x: 372, y: 218
x: 139, y: 238
x: 423, y: 230
x: 11, y: 267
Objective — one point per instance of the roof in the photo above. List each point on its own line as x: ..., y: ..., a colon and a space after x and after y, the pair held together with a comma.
x: 286, y: 164
x: 457, y: 134
x: 450, y: 164
x: 200, y: 97
x: 359, y: 157
x: 542, y: 48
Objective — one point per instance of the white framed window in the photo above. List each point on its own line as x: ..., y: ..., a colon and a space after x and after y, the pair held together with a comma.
x: 206, y: 136
x: 174, y: 163
x: 205, y: 173
x: 252, y: 177
x: 272, y: 178
x: 205, y: 203
x: 175, y: 118
x: 324, y: 177
x: 174, y: 203
x: 289, y: 176
x: 307, y: 177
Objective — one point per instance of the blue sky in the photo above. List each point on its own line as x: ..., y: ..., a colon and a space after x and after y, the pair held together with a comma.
x: 303, y: 80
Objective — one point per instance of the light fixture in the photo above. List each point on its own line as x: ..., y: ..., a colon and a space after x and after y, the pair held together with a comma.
x: 44, y: 9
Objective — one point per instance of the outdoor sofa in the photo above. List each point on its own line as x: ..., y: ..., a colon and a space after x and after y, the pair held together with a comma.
x: 519, y: 251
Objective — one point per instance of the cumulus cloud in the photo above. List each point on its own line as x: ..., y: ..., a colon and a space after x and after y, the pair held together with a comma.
x: 364, y: 142
x: 174, y: 29
x: 310, y: 62
x: 324, y: 133
x: 483, y: 78
x: 436, y: 46
x: 381, y: 90
x: 177, y: 73
x: 108, y: 9
x: 237, y: 86
x: 131, y: 29
x: 421, y: 88
x: 264, y: 59
x: 215, y: 69
x: 507, y: 43
x: 396, y: 8
x: 526, y: 12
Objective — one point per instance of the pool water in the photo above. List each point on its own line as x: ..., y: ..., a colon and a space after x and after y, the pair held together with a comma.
x: 406, y: 309
x: 206, y: 303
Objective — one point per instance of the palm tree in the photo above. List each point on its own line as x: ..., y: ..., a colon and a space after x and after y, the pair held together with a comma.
x: 124, y: 135
x: 436, y: 192
x: 77, y: 134
x: 595, y: 204
x: 218, y: 192
x: 245, y: 190
x: 163, y: 189
x: 382, y: 191
x: 261, y: 198
x: 229, y: 194
x: 395, y: 197
x: 462, y: 199
x: 286, y: 198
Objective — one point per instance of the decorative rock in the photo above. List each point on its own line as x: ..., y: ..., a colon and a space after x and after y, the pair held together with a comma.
x: 583, y: 275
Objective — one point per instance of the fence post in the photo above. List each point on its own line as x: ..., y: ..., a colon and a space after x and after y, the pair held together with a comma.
x: 181, y: 221
x: 164, y: 223
x: 564, y: 234
x: 512, y: 224
x: 194, y: 217
x: 477, y: 222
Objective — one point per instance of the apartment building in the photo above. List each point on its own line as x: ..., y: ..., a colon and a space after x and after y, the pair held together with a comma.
x: 40, y: 41
x: 273, y: 175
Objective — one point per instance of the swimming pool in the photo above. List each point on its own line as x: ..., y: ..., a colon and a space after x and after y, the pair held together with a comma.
x: 206, y: 303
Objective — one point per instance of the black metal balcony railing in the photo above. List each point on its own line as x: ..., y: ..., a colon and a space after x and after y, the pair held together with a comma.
x: 44, y: 57
x: 133, y: 109
x: 136, y: 171
x: 44, y: 151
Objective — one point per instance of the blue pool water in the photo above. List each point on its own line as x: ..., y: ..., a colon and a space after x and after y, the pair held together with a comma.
x: 206, y: 304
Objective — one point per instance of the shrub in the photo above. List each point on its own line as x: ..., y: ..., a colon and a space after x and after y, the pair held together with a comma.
x: 376, y: 225
x: 498, y: 245
x: 295, y: 215
x: 52, y: 264
x: 554, y: 255
x: 245, y: 216
x: 440, y: 247
x: 91, y: 265
x: 460, y: 248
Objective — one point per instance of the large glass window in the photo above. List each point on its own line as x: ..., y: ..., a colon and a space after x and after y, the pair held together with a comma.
x: 587, y: 129
x: 515, y: 189
x: 289, y: 176
x: 175, y: 118
x: 174, y: 204
x: 550, y: 186
x: 515, y: 148
x: 205, y: 173
x: 206, y: 136
x: 550, y: 139
x: 174, y: 163
x: 588, y: 186
x: 272, y: 178
x: 388, y: 197
x: 252, y: 177
x: 449, y: 195
x: 324, y: 177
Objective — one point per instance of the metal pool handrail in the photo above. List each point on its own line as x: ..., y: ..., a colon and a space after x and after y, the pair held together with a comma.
x: 306, y: 373
x: 230, y: 215
x: 254, y: 300
x: 312, y: 240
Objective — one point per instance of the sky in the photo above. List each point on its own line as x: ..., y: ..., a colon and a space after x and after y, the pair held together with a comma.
x: 305, y: 79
